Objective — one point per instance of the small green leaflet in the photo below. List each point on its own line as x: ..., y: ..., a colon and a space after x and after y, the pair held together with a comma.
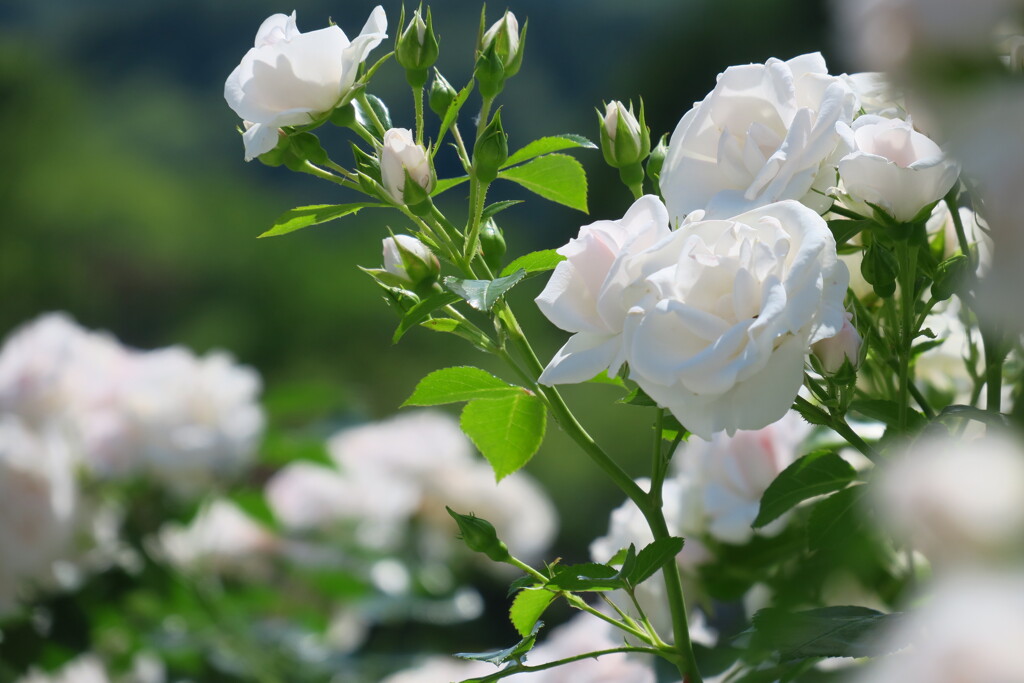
x: 453, y: 113
x: 305, y: 216
x: 556, y: 177
x: 451, y: 385
x: 507, y: 430
x: 421, y: 311
x: 447, y: 184
x: 587, y: 577
x: 497, y: 207
x: 527, y: 607
x: 482, y: 294
x: 499, y: 657
x: 534, y: 262
x: 548, y: 145
x: 812, y: 475
x: 837, y: 520
x: 653, y: 557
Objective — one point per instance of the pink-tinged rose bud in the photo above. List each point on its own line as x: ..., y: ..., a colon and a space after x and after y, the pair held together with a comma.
x: 834, y: 351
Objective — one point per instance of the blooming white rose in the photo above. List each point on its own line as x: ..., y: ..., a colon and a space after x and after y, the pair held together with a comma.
x: 585, y: 292
x: 399, y: 155
x: 970, y: 630
x: 723, y: 313
x: 289, y: 77
x: 38, y: 507
x: 221, y: 537
x: 955, y: 499
x: 893, y: 167
x: 765, y: 133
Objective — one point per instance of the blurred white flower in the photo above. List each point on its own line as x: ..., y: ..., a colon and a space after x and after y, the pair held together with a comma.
x: 941, y: 221
x: 876, y: 94
x: 970, y: 630
x: 289, y: 77
x: 440, y: 668
x: 38, y: 508
x: 86, y: 668
x: 221, y: 538
x: 767, y: 132
x: 956, y: 500
x: 176, y: 417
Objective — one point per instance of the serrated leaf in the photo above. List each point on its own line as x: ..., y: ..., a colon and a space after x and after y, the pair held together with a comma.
x: 446, y: 184
x: 463, y: 383
x: 516, y: 652
x: 482, y: 294
x: 506, y: 430
x: 305, y: 216
x: 590, y: 576
x: 812, y: 475
x: 459, y: 328
x: 653, y: 557
x: 547, y: 145
x: 629, y: 561
x: 837, y: 519
x: 521, y: 583
x: 812, y: 413
x: 556, y: 177
x: 418, y: 313
x: 452, y: 114
x: 497, y: 207
x: 823, y: 632
x: 534, y: 262
x: 527, y: 608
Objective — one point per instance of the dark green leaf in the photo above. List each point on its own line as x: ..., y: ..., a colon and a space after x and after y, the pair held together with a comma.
x: 451, y: 385
x: 526, y: 609
x: 498, y: 207
x: 548, y: 145
x: 824, y: 632
x: 837, y: 520
x: 418, y: 313
x: 844, y: 230
x: 556, y: 177
x: 535, y: 262
x: 514, y: 653
x: 521, y: 583
x: 812, y: 475
x: 587, y: 577
x: 482, y: 294
x: 305, y: 216
x: 452, y: 114
x: 507, y: 430
x: 654, y: 557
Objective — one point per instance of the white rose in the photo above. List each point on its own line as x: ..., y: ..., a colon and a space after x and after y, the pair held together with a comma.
x: 585, y: 292
x: 893, y: 167
x: 765, y: 133
x: 955, y: 499
x: 876, y: 94
x: 724, y: 312
x: 399, y: 155
x: 289, y: 77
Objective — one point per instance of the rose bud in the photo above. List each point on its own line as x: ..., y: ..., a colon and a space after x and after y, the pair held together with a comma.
x: 402, y: 158
x: 409, y: 260
x: 833, y: 352
x: 416, y: 48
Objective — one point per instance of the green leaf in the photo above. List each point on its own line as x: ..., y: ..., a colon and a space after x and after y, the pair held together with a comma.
x: 451, y: 385
x: 529, y: 604
x: 845, y: 230
x: 837, y: 519
x: 535, y: 262
x: 305, y: 216
x: 418, y: 313
x: 461, y: 329
x: 451, y: 115
x: 590, y: 576
x: 814, y: 474
x: 823, y: 632
x: 447, y: 184
x: 548, y: 145
x: 521, y: 583
x: 497, y: 207
x: 482, y: 294
x: 498, y: 657
x: 507, y: 430
x: 888, y: 412
x: 638, y: 397
x: 654, y: 557
x: 556, y: 177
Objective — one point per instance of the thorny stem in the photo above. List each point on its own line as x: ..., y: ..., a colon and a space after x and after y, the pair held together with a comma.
x: 523, y: 668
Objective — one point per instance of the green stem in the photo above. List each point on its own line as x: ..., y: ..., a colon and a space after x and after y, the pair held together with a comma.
x: 315, y: 170
x: 363, y: 100
x: 958, y: 224
x: 840, y: 426
x: 418, y: 100
x: 845, y: 213
x: 342, y: 170
x: 907, y: 254
x: 516, y: 562
x: 461, y: 147
x: 994, y: 357
x: 578, y: 602
x: 522, y: 668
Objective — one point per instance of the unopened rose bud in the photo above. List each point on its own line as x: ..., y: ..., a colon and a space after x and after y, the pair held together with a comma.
x: 656, y: 161
x: 479, y: 535
x: 416, y: 48
x: 492, y: 243
x: 624, y: 140
x: 490, y: 150
x: 409, y: 260
x: 835, y: 351
x: 499, y: 54
x: 402, y: 158
x: 442, y: 94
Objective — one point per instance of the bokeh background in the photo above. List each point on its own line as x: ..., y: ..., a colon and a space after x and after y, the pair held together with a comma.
x: 125, y: 200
